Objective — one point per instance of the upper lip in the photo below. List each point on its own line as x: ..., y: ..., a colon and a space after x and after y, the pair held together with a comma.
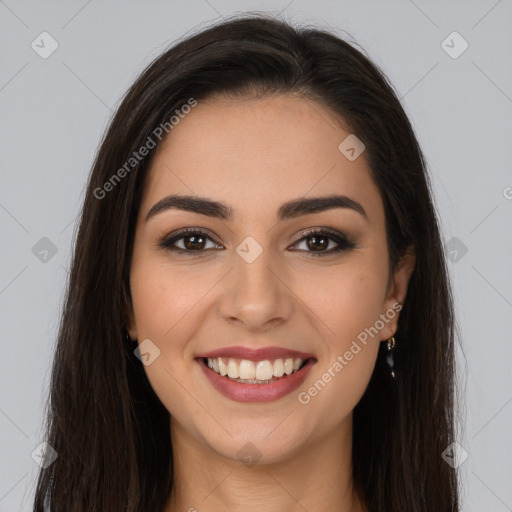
x: 258, y: 354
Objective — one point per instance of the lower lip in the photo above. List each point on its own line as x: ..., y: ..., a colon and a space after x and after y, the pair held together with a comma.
x: 241, y: 392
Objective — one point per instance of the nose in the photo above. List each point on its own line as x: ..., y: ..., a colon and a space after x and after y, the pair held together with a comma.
x: 256, y: 294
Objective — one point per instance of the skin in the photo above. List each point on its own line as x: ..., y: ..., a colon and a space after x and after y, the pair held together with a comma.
x: 254, y: 155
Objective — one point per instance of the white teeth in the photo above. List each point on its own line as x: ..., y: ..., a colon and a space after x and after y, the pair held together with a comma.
x: 233, y: 369
x: 254, y: 372
x: 278, y: 368
x: 247, y: 369
x: 223, y: 369
x: 288, y: 366
x: 264, y: 370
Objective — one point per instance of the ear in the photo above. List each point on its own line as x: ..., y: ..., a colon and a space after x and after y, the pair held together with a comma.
x: 397, y: 291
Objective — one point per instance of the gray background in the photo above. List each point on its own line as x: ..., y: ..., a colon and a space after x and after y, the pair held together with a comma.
x: 53, y: 113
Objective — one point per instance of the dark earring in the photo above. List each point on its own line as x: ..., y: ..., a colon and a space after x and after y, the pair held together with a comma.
x: 127, y: 337
x: 389, y: 358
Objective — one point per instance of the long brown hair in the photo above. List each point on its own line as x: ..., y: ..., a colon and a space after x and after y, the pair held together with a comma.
x: 108, y: 427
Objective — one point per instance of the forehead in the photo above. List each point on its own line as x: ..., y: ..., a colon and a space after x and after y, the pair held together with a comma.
x: 246, y: 151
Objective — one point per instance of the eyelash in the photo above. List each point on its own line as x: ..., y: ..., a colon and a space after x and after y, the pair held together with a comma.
x: 344, y: 243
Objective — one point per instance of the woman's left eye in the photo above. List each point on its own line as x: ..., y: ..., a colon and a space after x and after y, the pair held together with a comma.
x: 321, y: 238
x: 195, y: 241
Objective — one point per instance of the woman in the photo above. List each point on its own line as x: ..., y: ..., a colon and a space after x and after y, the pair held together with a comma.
x: 258, y: 312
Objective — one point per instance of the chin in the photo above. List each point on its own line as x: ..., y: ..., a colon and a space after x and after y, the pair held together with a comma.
x: 257, y: 446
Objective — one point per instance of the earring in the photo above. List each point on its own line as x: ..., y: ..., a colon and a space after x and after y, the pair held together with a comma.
x: 389, y: 358
x: 127, y: 337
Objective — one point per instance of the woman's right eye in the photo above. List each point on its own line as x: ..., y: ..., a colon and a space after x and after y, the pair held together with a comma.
x: 192, y: 241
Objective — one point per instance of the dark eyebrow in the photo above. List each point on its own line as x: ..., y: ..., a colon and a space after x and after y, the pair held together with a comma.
x: 289, y: 210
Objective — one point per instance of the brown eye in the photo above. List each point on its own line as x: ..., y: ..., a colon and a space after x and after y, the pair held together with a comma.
x: 191, y: 241
x: 194, y: 242
x: 318, y: 241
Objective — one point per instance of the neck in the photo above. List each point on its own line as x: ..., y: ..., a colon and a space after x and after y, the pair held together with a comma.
x: 318, y: 477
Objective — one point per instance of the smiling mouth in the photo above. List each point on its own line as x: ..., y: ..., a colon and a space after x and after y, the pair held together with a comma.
x: 245, y: 371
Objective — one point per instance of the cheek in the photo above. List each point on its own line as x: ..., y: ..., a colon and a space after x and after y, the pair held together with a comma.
x: 162, y: 298
x: 347, y: 300
x: 165, y: 301
x: 347, y: 303
x: 160, y: 303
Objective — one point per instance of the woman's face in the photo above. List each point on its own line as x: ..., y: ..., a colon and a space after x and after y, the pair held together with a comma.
x: 258, y: 279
